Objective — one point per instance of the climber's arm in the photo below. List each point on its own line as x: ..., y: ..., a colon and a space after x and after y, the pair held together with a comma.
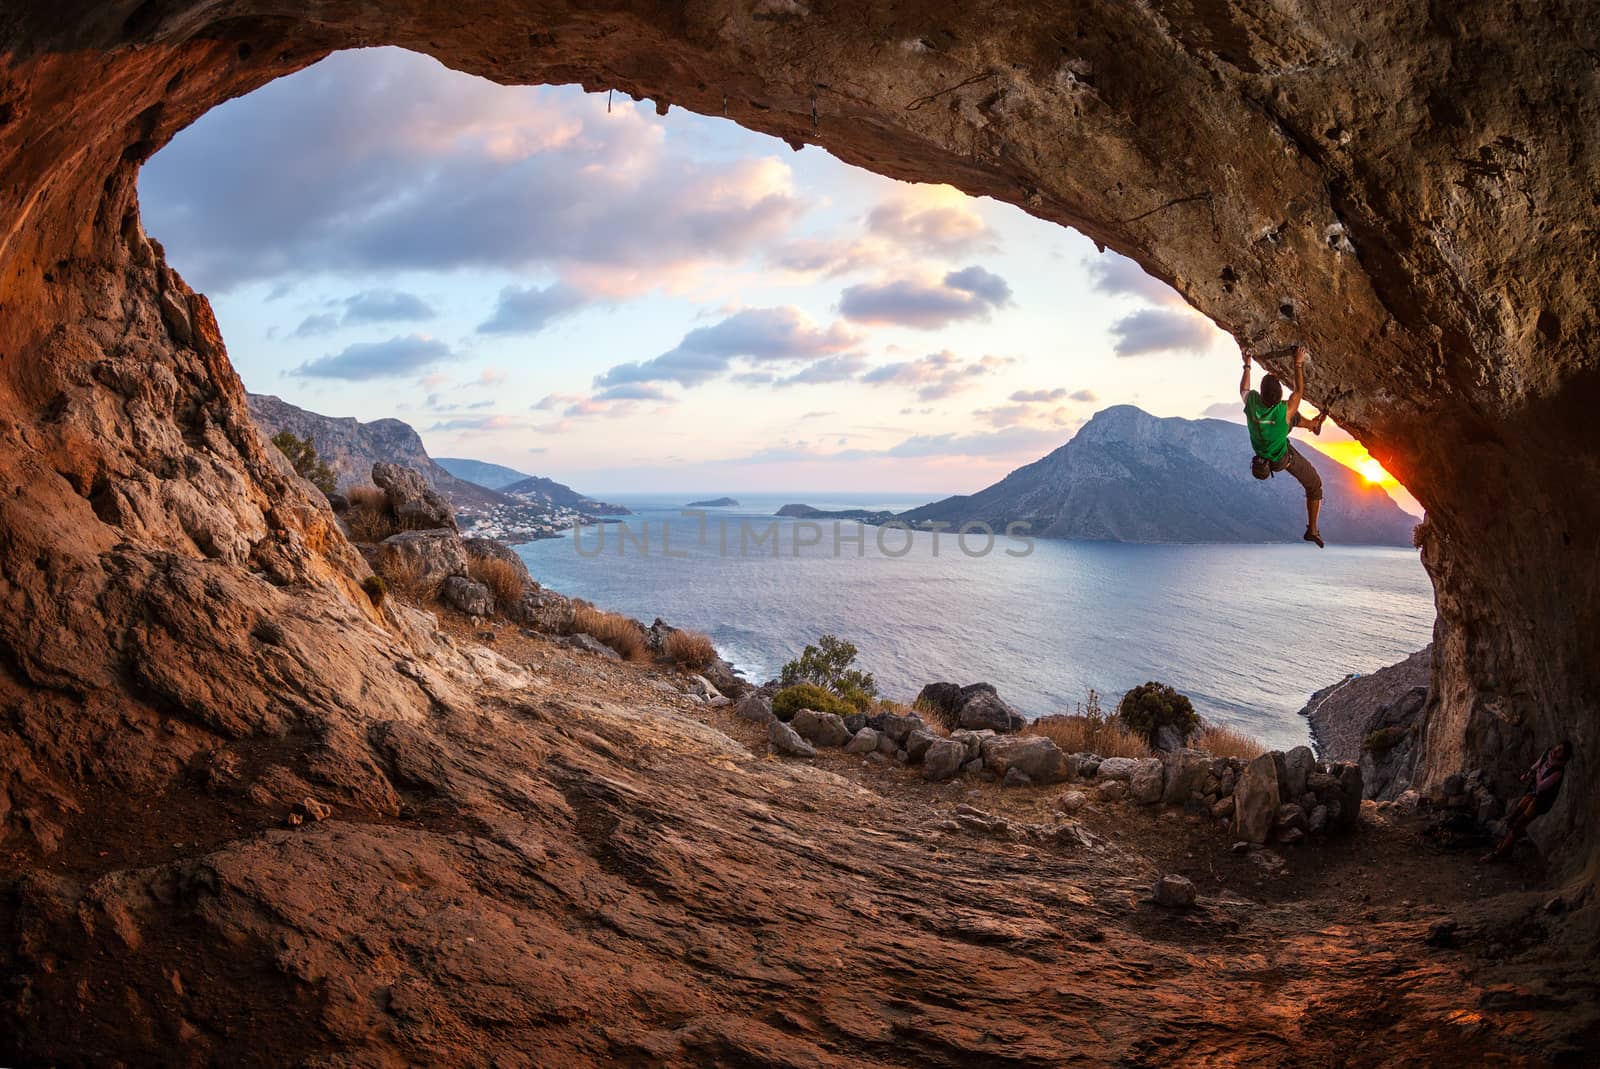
x: 1244, y: 383
x: 1299, y: 382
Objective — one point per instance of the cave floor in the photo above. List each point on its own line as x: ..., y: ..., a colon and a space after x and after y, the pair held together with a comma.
x: 594, y: 869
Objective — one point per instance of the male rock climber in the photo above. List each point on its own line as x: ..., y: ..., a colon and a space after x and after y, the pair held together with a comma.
x: 1544, y: 783
x: 1270, y: 421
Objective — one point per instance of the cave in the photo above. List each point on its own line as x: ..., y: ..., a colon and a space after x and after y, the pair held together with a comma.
x: 1406, y: 188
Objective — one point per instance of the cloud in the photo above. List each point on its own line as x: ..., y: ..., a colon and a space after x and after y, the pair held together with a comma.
x: 758, y: 335
x: 971, y: 293
x: 527, y: 310
x: 935, y: 376
x: 938, y: 221
x: 378, y: 359
x: 419, y: 167
x: 1031, y: 396
x: 830, y: 369
x: 1087, y: 396
x: 1232, y: 411
x: 313, y: 325
x: 634, y: 391
x: 478, y: 424
x: 385, y: 306
x: 1162, y: 330
x: 1120, y: 276
x: 1012, y: 442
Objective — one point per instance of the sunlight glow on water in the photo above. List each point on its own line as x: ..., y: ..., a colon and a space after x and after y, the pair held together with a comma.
x: 1247, y: 631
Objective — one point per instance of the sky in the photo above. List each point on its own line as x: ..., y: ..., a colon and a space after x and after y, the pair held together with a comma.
x: 574, y: 286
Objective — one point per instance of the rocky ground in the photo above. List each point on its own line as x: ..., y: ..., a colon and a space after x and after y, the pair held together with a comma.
x: 589, y: 866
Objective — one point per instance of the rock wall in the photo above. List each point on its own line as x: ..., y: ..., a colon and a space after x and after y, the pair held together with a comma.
x: 1405, y: 187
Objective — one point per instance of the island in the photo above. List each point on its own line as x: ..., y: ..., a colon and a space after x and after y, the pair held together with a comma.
x: 806, y: 512
x: 714, y: 503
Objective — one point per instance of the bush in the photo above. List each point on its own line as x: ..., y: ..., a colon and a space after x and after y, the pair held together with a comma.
x: 621, y: 633
x: 303, y: 456
x: 1383, y: 740
x: 376, y: 589
x: 1219, y: 740
x: 1152, y: 706
x: 1090, y: 730
x: 790, y: 700
x: 405, y: 574
x: 690, y: 649
x: 503, y: 578
x: 827, y: 665
x: 368, y: 518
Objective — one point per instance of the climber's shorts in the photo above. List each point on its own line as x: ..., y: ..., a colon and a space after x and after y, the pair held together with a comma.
x: 1295, y: 463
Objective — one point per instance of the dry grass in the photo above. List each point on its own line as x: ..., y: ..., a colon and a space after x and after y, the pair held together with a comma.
x: 504, y: 579
x: 1090, y: 730
x: 368, y: 518
x: 407, y: 577
x: 690, y: 649
x: 1219, y: 740
x: 619, y: 632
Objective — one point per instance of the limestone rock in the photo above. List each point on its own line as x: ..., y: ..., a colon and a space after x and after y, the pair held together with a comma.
x: 432, y: 556
x: 1185, y: 773
x: 1147, y: 782
x: 416, y: 505
x: 786, y: 741
x: 1174, y: 892
x: 918, y: 742
x: 943, y: 760
x: 1035, y: 755
x: 821, y: 729
x: 1299, y: 763
x: 466, y: 595
x: 864, y: 741
x: 590, y: 644
x: 756, y: 708
x: 1255, y: 800
x: 1121, y: 768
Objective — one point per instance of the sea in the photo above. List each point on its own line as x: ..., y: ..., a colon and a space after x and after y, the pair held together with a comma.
x: 1246, y: 631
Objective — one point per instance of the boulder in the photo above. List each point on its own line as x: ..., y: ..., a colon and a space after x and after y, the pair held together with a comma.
x: 943, y: 760
x: 1148, y: 779
x: 1298, y: 764
x: 1317, y: 822
x: 430, y: 556
x: 415, y: 504
x: 987, y: 710
x: 973, y: 740
x: 1117, y: 768
x: 1112, y: 790
x: 544, y: 611
x: 1290, y: 815
x: 864, y: 741
x: 1174, y: 892
x: 1255, y: 800
x: 725, y: 679
x: 755, y: 707
x: 942, y: 700
x: 1072, y: 801
x: 821, y: 729
x: 1037, y: 756
x: 1350, y: 794
x: 483, y: 549
x: 855, y: 722
x: 1222, y: 809
x: 973, y: 767
x: 590, y: 644
x: 467, y: 595
x: 784, y: 740
x: 1015, y: 777
x: 899, y: 727
x: 701, y: 688
x: 918, y: 742
x: 886, y: 745
x: 1186, y: 772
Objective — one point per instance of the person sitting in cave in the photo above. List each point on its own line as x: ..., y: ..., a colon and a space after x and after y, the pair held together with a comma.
x: 1544, y: 780
x: 1270, y: 421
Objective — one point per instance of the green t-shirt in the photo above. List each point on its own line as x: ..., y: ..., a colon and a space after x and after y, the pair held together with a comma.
x: 1269, y: 426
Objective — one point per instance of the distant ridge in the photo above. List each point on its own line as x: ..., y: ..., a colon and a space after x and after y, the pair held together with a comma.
x: 1128, y: 476
x: 494, y: 476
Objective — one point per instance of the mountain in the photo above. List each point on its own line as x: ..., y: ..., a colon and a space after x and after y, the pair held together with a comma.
x: 494, y: 476
x: 531, y: 507
x: 1128, y: 476
x: 559, y: 495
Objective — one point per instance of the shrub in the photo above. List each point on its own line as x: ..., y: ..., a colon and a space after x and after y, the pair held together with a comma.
x: 303, y: 456
x: 691, y: 649
x: 1219, y: 740
x: 503, y: 578
x: 790, y: 700
x: 621, y: 633
x: 376, y: 589
x: 368, y: 518
x: 1149, y: 707
x: 406, y: 575
x: 1383, y: 740
x: 1090, y: 730
x: 827, y: 665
